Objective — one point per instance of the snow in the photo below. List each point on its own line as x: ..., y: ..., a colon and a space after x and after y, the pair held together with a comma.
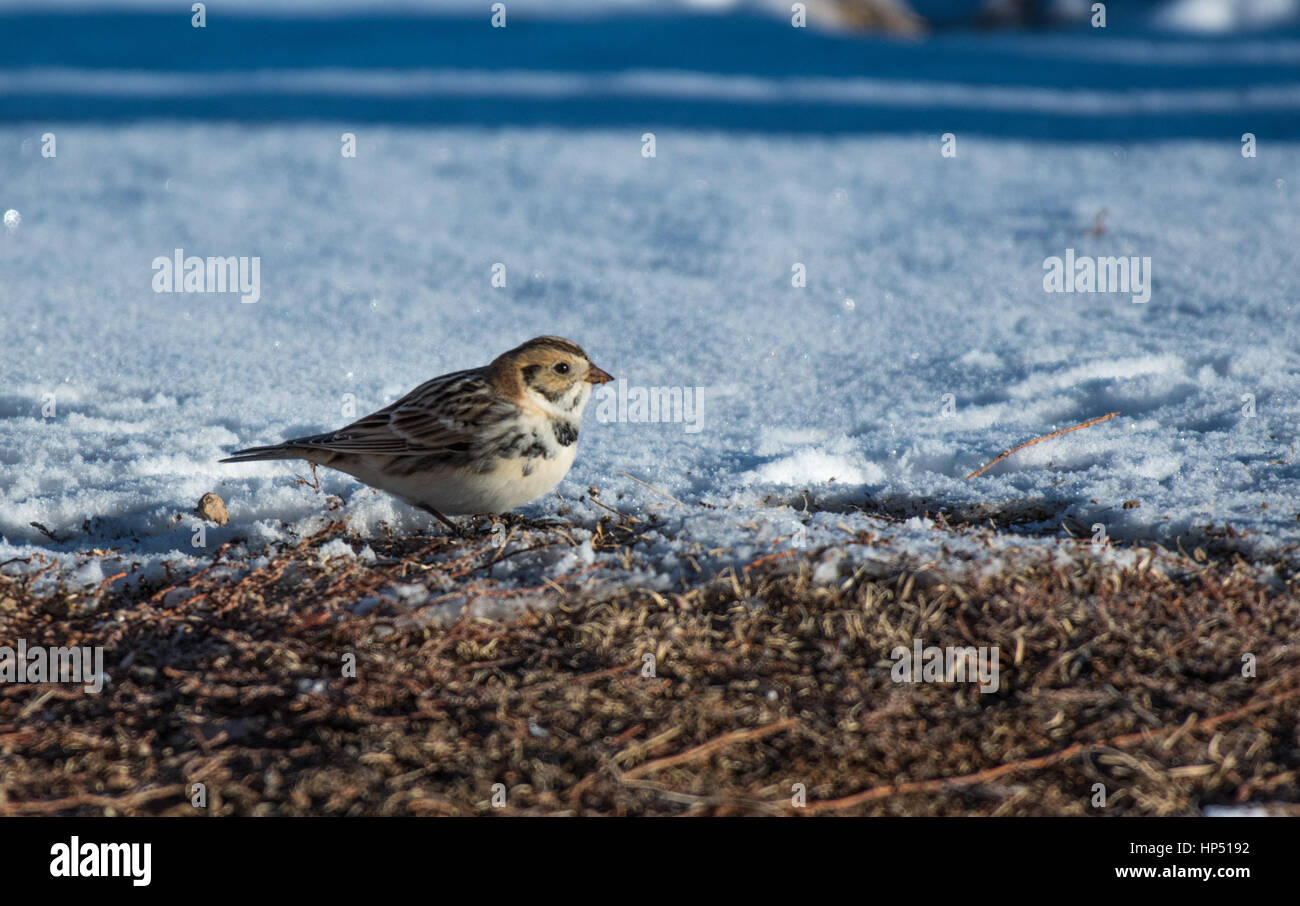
x: 673, y: 272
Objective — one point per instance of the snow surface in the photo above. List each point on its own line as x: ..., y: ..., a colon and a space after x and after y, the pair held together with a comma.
x: 820, y: 405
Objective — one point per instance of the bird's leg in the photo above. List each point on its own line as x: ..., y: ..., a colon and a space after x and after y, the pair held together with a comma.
x: 455, y: 529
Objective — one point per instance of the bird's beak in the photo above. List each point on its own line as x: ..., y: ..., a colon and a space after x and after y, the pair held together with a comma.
x: 596, y: 376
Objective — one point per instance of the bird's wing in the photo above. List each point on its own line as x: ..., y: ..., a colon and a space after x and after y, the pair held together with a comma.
x: 447, y: 415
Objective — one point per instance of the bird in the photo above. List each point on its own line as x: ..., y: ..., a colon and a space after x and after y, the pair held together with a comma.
x: 482, y: 441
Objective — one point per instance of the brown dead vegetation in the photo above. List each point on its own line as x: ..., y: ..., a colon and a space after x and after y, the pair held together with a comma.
x: 763, y: 679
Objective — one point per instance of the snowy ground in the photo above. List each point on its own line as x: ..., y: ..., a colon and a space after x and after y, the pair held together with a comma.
x: 922, y: 345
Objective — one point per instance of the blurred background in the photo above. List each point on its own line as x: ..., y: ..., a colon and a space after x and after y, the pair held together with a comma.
x: 1017, y: 67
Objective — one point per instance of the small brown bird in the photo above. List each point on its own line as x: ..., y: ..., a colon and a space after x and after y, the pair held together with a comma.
x: 486, y: 440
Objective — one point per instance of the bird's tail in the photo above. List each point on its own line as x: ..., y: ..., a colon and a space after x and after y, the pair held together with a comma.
x: 272, y: 451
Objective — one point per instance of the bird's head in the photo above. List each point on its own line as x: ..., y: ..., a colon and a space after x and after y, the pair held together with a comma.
x: 551, y: 373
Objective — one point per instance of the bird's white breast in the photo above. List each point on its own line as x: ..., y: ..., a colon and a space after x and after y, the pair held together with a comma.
x: 508, y: 483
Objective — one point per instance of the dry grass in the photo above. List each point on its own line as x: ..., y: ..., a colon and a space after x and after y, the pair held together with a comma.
x: 763, y: 679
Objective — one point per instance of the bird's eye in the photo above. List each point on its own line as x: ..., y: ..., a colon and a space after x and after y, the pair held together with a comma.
x: 561, y: 368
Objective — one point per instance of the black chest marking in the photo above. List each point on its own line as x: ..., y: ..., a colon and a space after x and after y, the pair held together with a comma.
x: 527, y: 444
x: 566, y: 433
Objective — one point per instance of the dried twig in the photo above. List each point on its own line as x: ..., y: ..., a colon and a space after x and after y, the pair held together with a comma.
x: 44, y: 531
x: 708, y: 748
x: 619, y: 513
x: 652, y: 487
x: 1029, y: 443
x: 313, y: 483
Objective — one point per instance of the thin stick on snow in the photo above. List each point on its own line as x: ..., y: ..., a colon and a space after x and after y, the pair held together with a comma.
x: 624, y: 515
x: 653, y: 488
x: 1029, y: 443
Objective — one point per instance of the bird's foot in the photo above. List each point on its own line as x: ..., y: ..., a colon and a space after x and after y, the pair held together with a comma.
x: 456, y: 530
